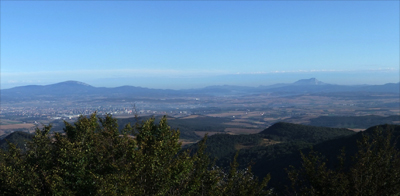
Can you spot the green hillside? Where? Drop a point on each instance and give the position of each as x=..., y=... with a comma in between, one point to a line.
x=18, y=138
x=269, y=152
x=277, y=141
x=295, y=132
x=274, y=159
x=93, y=158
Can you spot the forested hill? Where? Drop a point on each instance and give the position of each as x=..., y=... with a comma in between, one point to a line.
x=273, y=149
x=331, y=148
x=276, y=148
x=223, y=146
x=296, y=132
x=18, y=138
x=274, y=159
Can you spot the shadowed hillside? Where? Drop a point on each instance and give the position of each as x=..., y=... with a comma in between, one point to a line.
x=275, y=141
x=295, y=132
x=18, y=138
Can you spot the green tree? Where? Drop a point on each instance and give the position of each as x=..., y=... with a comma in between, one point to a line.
x=375, y=170
x=94, y=158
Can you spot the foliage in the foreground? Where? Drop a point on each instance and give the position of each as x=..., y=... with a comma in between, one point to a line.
x=93, y=158
x=375, y=170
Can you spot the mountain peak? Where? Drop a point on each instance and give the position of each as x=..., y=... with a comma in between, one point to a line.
x=311, y=81
x=73, y=83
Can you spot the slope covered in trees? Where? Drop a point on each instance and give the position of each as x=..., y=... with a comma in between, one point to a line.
x=374, y=167
x=282, y=136
x=18, y=138
x=92, y=158
x=275, y=159
x=272, y=150
x=295, y=132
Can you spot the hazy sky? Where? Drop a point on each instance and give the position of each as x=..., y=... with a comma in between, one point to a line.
x=184, y=44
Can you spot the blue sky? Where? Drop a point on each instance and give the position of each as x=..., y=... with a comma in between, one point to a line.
x=190, y=44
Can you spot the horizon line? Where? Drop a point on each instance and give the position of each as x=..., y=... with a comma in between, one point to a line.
x=85, y=83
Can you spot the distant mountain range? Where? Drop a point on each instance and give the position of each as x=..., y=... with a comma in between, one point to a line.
x=78, y=89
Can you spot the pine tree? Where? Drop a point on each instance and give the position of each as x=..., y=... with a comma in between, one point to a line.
x=94, y=158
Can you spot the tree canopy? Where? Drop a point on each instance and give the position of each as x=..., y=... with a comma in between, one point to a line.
x=94, y=158
x=373, y=170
